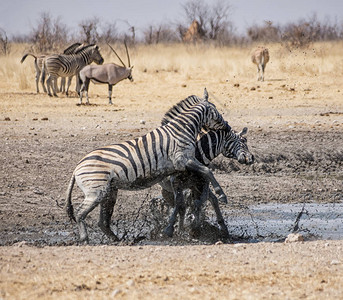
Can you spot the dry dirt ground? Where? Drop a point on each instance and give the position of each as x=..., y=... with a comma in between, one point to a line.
x=295, y=131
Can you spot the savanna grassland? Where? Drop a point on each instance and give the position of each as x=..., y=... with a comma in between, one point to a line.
x=295, y=121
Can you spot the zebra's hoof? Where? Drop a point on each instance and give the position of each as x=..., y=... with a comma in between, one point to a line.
x=223, y=199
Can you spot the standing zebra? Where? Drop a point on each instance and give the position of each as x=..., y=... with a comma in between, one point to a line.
x=209, y=146
x=70, y=50
x=142, y=162
x=68, y=65
x=38, y=61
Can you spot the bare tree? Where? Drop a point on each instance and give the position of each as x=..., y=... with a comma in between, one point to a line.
x=49, y=34
x=265, y=33
x=212, y=20
x=162, y=33
x=5, y=46
x=109, y=33
x=195, y=10
x=218, y=20
x=89, y=30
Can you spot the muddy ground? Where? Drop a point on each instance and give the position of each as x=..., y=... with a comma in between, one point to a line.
x=295, y=132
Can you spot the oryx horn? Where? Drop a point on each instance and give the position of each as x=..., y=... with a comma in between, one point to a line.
x=116, y=54
x=127, y=53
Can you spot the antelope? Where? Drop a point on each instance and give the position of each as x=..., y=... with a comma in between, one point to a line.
x=107, y=73
x=260, y=57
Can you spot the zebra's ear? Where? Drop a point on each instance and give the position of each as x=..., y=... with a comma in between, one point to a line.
x=243, y=132
x=205, y=95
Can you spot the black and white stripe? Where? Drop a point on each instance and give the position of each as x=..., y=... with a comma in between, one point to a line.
x=38, y=62
x=141, y=162
x=72, y=49
x=209, y=146
x=62, y=65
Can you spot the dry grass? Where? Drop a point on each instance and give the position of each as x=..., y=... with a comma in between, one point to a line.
x=194, y=62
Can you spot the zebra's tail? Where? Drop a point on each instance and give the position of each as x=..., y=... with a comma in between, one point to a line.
x=68, y=207
x=26, y=55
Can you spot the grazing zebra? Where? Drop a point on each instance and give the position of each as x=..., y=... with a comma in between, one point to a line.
x=260, y=57
x=61, y=65
x=209, y=146
x=38, y=61
x=142, y=162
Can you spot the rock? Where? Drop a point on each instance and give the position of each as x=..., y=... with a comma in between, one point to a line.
x=294, y=237
x=130, y=282
x=116, y=292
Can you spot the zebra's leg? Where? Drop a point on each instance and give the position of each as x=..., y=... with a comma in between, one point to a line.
x=38, y=72
x=179, y=202
x=258, y=72
x=220, y=219
x=48, y=85
x=206, y=173
x=90, y=202
x=63, y=85
x=54, y=86
x=106, y=211
x=68, y=85
x=201, y=196
x=110, y=86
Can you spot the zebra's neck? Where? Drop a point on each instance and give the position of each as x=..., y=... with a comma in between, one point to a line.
x=211, y=145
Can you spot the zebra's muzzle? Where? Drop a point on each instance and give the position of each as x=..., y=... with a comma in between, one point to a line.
x=244, y=158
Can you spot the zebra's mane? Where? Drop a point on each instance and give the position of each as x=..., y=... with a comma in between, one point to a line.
x=179, y=108
x=71, y=48
x=84, y=48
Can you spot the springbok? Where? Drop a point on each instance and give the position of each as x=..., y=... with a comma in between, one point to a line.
x=260, y=57
x=107, y=73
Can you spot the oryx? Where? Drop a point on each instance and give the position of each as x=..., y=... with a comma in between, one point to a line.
x=107, y=73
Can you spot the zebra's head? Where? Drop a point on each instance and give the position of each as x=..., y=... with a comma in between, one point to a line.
x=96, y=56
x=237, y=147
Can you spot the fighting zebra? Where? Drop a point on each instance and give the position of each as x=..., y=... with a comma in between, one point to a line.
x=142, y=162
x=209, y=146
x=38, y=62
x=61, y=65
x=260, y=57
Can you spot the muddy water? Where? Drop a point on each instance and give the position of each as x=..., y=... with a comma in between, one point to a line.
x=273, y=222
x=256, y=223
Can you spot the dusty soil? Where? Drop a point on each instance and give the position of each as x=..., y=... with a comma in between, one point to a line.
x=295, y=131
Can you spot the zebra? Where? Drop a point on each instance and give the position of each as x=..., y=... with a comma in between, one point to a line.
x=61, y=65
x=70, y=50
x=38, y=62
x=209, y=146
x=142, y=162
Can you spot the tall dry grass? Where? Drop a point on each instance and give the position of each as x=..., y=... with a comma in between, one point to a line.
x=194, y=62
